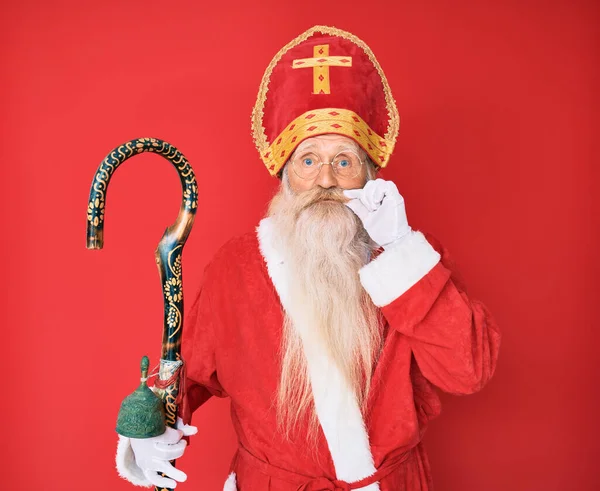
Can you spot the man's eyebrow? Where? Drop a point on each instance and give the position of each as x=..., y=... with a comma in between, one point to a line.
x=307, y=146
x=340, y=148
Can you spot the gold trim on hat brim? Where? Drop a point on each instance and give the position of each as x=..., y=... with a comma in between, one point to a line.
x=258, y=130
x=326, y=121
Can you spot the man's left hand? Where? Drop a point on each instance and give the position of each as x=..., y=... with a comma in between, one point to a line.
x=380, y=207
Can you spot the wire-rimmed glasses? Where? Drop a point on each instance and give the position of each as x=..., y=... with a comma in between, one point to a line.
x=346, y=164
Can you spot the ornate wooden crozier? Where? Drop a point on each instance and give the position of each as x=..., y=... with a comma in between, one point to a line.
x=168, y=259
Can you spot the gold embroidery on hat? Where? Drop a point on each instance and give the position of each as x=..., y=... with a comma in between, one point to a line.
x=321, y=121
x=258, y=130
x=320, y=63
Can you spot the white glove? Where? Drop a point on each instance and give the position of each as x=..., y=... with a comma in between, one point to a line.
x=381, y=209
x=152, y=455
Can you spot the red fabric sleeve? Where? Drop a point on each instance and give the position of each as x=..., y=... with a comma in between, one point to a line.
x=198, y=352
x=453, y=337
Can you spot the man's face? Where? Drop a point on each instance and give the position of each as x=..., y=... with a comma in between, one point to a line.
x=327, y=147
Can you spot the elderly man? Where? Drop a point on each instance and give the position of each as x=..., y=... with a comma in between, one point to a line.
x=330, y=325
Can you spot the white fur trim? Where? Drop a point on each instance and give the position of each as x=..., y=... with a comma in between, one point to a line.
x=126, y=466
x=398, y=268
x=336, y=405
x=230, y=484
x=273, y=259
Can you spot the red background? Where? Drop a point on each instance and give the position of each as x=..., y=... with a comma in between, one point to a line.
x=495, y=157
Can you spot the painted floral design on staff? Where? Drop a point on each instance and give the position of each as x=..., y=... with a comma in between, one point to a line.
x=95, y=213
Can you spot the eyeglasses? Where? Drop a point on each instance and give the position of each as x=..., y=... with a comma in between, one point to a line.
x=346, y=165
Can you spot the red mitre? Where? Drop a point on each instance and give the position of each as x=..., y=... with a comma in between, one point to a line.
x=324, y=81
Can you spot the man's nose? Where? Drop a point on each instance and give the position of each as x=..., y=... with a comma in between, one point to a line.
x=326, y=178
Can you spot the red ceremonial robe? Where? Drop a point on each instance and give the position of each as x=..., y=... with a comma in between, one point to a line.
x=434, y=335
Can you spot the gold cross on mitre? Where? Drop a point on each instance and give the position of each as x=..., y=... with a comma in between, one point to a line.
x=320, y=63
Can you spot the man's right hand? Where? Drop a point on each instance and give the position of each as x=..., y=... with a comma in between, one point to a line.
x=152, y=455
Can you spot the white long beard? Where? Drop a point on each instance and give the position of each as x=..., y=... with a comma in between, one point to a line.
x=324, y=245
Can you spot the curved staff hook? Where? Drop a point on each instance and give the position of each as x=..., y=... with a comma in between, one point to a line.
x=167, y=254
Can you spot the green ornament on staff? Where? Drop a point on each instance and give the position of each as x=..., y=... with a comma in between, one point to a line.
x=144, y=413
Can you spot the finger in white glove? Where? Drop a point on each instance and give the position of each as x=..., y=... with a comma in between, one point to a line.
x=359, y=209
x=372, y=194
x=152, y=455
x=157, y=480
x=381, y=209
x=188, y=430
